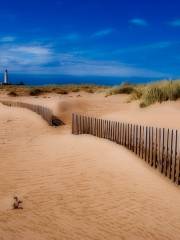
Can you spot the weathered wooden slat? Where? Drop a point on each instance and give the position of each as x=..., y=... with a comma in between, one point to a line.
x=125, y=134
x=170, y=154
x=149, y=145
x=73, y=124
x=159, y=148
x=156, y=148
x=92, y=126
x=115, y=131
x=130, y=137
x=101, y=128
x=152, y=146
x=177, y=161
x=108, y=129
x=97, y=127
x=163, y=157
x=166, y=155
x=174, y=165
x=134, y=138
x=145, y=145
x=78, y=124
x=89, y=125
x=120, y=137
x=142, y=148
x=82, y=124
x=117, y=136
x=112, y=138
x=140, y=144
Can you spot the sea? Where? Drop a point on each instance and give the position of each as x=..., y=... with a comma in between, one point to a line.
x=39, y=80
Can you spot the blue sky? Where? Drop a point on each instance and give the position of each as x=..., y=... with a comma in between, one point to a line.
x=116, y=38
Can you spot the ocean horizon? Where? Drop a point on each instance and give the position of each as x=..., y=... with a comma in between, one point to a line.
x=47, y=79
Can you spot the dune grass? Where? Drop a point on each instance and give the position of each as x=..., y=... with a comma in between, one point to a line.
x=57, y=89
x=150, y=93
x=124, y=88
x=147, y=94
x=160, y=92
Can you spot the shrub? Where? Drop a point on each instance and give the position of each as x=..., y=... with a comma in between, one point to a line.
x=75, y=89
x=137, y=93
x=152, y=94
x=13, y=94
x=121, y=89
x=35, y=92
x=89, y=90
x=162, y=91
x=62, y=91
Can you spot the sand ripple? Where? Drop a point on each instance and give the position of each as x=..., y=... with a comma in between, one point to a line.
x=78, y=187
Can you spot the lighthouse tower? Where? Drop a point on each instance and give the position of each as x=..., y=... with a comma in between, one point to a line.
x=6, y=80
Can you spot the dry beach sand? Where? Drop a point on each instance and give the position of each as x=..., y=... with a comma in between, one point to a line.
x=82, y=187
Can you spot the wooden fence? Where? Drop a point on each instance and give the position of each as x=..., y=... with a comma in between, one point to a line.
x=159, y=147
x=43, y=111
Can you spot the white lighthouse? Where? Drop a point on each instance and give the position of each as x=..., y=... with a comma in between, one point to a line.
x=6, y=80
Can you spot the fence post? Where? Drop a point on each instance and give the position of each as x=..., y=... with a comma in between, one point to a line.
x=166, y=157
x=170, y=155
x=175, y=158
x=156, y=147
x=152, y=146
x=72, y=123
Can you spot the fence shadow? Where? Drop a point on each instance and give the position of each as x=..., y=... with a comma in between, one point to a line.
x=43, y=111
x=159, y=147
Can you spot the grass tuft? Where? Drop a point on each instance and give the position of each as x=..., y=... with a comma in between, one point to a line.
x=35, y=92
x=159, y=92
x=12, y=94
x=121, y=89
x=147, y=94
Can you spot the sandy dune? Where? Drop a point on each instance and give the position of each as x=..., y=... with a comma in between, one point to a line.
x=81, y=187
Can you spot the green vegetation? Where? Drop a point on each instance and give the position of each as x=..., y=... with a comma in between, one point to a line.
x=125, y=88
x=13, y=94
x=146, y=94
x=150, y=93
x=35, y=92
x=159, y=92
x=57, y=89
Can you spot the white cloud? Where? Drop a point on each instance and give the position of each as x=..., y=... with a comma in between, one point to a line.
x=103, y=32
x=138, y=22
x=40, y=59
x=7, y=39
x=20, y=56
x=32, y=50
x=106, y=68
x=153, y=46
x=175, y=23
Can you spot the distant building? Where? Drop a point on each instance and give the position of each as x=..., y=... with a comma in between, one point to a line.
x=6, y=78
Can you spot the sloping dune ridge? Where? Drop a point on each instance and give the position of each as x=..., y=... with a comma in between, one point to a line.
x=82, y=187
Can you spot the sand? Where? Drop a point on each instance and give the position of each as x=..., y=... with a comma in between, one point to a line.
x=82, y=187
